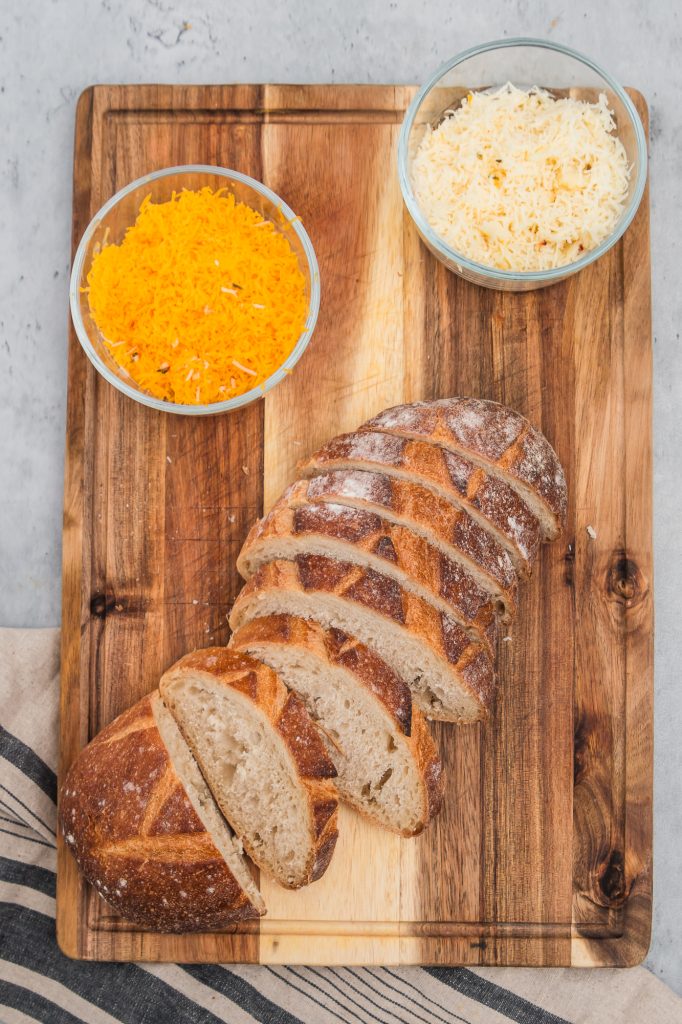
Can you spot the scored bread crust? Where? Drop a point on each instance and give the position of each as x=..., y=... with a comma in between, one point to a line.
x=488, y=499
x=498, y=437
x=126, y=817
x=363, y=537
x=467, y=662
x=338, y=650
x=287, y=716
x=335, y=647
x=411, y=505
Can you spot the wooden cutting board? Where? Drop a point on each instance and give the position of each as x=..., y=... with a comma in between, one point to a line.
x=542, y=854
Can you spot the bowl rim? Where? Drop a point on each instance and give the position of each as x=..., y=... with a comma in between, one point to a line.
x=522, y=276
x=211, y=408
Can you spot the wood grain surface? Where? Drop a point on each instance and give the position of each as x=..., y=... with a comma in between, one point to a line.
x=542, y=854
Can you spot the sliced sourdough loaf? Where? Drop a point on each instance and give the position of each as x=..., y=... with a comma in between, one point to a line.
x=492, y=436
x=262, y=757
x=138, y=817
x=450, y=529
x=387, y=763
x=492, y=503
x=364, y=538
x=450, y=675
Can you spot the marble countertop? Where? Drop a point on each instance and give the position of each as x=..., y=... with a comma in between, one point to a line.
x=50, y=51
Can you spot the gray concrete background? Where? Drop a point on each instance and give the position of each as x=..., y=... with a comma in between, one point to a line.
x=50, y=51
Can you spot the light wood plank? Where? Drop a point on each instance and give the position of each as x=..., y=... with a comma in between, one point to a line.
x=361, y=323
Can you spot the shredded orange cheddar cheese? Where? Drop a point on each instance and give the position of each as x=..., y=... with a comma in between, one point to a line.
x=201, y=301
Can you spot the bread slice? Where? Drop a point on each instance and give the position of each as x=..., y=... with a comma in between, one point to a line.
x=144, y=829
x=447, y=528
x=451, y=676
x=387, y=763
x=487, y=499
x=364, y=538
x=262, y=758
x=492, y=436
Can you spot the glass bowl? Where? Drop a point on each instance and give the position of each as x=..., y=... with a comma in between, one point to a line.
x=524, y=62
x=110, y=224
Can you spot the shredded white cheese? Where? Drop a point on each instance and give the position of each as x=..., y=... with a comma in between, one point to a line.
x=518, y=180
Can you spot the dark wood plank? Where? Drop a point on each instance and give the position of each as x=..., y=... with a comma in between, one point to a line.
x=614, y=605
x=154, y=580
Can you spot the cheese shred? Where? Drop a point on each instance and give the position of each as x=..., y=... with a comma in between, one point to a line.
x=207, y=308
x=519, y=180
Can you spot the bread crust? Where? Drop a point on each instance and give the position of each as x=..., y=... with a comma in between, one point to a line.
x=415, y=507
x=335, y=647
x=287, y=716
x=488, y=499
x=338, y=650
x=467, y=661
x=494, y=435
x=394, y=550
x=136, y=837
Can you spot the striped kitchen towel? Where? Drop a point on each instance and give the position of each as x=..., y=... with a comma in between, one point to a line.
x=38, y=983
